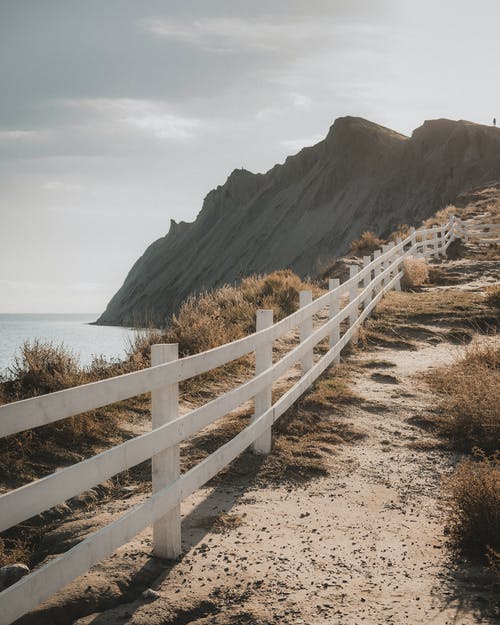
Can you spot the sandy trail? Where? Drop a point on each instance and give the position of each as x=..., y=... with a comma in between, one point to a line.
x=366, y=544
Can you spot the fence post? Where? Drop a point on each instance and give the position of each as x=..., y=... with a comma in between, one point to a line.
x=398, y=264
x=263, y=400
x=333, y=310
x=442, y=241
x=166, y=464
x=413, y=242
x=366, y=280
x=305, y=329
x=435, y=241
x=385, y=265
x=451, y=228
x=390, y=262
x=378, y=270
x=353, y=293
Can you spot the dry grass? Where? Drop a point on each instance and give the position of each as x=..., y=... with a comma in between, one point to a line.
x=44, y=368
x=212, y=318
x=441, y=216
x=220, y=523
x=367, y=243
x=436, y=315
x=469, y=392
x=493, y=296
x=402, y=231
x=415, y=273
x=474, y=491
x=303, y=438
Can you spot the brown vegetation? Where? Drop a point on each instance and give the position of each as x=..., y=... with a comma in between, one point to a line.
x=367, y=243
x=415, y=273
x=469, y=392
x=469, y=419
x=493, y=296
x=402, y=232
x=474, y=491
x=441, y=217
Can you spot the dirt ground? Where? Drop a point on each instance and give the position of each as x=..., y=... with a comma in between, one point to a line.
x=365, y=544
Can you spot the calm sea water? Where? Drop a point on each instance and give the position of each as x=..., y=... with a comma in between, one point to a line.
x=73, y=330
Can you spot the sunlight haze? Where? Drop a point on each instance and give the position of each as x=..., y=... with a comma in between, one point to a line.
x=117, y=116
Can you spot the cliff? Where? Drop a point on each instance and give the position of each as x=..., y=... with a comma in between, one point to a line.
x=361, y=176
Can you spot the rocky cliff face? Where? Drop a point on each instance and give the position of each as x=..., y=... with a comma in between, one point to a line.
x=361, y=176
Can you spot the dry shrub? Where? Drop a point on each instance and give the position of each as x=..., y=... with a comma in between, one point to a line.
x=216, y=317
x=367, y=243
x=415, y=273
x=402, y=232
x=493, y=296
x=474, y=489
x=456, y=250
x=335, y=268
x=42, y=367
x=469, y=393
x=441, y=216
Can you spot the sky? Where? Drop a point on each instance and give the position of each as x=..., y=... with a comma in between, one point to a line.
x=118, y=115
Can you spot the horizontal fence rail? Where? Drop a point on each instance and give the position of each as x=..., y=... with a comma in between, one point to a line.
x=379, y=274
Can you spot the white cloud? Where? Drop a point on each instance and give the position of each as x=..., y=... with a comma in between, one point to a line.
x=228, y=35
x=152, y=117
x=23, y=135
x=165, y=126
x=295, y=145
x=295, y=102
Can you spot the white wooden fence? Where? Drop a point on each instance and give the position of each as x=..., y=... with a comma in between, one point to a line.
x=379, y=274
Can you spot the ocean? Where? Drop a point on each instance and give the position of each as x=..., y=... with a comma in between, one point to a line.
x=73, y=330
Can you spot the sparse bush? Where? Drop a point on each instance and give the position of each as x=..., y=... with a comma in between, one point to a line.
x=41, y=367
x=367, y=243
x=415, y=273
x=493, y=296
x=474, y=490
x=456, y=250
x=216, y=317
x=402, y=231
x=334, y=268
x=470, y=396
x=441, y=216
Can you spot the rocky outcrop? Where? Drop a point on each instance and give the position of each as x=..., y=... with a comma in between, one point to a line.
x=298, y=214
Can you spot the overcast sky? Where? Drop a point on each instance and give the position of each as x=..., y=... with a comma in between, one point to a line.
x=117, y=115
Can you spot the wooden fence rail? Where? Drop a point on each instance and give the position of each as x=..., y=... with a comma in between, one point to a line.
x=365, y=287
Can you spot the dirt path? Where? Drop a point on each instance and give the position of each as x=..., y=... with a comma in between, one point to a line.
x=367, y=544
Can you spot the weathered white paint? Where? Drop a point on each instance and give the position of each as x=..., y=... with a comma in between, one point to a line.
x=306, y=327
x=333, y=311
x=353, y=294
x=169, y=488
x=166, y=464
x=263, y=400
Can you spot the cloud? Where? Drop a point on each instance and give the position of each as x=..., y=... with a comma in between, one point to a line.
x=165, y=126
x=228, y=35
x=22, y=135
x=295, y=102
x=98, y=126
x=153, y=117
x=295, y=145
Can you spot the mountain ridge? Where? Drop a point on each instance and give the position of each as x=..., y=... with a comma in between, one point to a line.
x=360, y=176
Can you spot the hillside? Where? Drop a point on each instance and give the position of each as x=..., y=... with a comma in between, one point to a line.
x=298, y=214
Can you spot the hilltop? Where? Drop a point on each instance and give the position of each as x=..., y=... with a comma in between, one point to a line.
x=362, y=176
